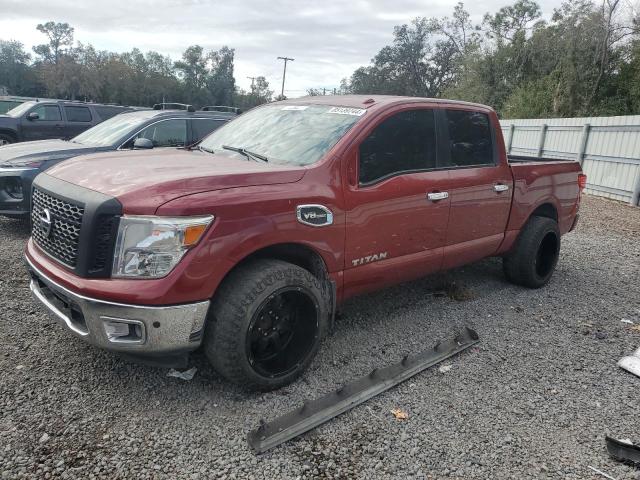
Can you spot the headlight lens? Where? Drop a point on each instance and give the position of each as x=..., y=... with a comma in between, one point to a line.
x=150, y=247
x=13, y=186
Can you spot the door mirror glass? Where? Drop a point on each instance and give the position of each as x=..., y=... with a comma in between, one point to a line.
x=142, y=144
x=33, y=116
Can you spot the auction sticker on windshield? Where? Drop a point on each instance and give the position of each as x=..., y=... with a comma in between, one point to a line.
x=358, y=112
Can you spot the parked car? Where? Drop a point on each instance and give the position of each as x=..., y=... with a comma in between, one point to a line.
x=7, y=103
x=246, y=245
x=21, y=162
x=41, y=120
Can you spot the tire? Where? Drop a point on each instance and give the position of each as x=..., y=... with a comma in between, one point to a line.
x=534, y=257
x=6, y=139
x=267, y=321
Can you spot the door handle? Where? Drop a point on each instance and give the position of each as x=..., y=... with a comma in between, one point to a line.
x=501, y=187
x=437, y=196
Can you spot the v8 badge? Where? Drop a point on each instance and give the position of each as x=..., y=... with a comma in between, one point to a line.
x=314, y=215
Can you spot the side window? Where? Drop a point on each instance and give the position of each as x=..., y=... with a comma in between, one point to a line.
x=168, y=133
x=49, y=113
x=202, y=127
x=404, y=142
x=106, y=113
x=77, y=114
x=470, y=139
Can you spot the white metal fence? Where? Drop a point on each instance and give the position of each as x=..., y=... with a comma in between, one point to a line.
x=607, y=147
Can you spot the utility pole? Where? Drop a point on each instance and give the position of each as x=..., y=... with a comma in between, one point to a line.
x=253, y=81
x=284, y=73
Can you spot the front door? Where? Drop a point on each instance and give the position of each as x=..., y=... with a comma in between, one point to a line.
x=396, y=206
x=480, y=187
x=49, y=123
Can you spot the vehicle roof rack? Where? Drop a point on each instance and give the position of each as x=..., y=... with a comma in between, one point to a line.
x=174, y=106
x=221, y=108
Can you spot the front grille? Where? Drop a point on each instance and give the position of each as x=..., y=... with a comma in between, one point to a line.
x=63, y=239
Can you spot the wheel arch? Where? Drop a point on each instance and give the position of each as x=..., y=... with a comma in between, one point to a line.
x=546, y=209
x=298, y=254
x=11, y=133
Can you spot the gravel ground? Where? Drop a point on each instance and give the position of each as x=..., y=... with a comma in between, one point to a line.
x=533, y=400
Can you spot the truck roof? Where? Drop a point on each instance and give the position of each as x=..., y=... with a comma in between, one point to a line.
x=368, y=101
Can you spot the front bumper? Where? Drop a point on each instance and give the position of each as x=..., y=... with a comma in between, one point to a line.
x=164, y=330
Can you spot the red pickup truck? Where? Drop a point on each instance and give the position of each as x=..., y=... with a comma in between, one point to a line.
x=246, y=244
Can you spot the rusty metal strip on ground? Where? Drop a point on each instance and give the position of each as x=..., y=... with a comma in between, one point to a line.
x=318, y=411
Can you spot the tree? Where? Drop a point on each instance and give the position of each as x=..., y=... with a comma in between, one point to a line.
x=15, y=72
x=60, y=37
x=423, y=60
x=221, y=83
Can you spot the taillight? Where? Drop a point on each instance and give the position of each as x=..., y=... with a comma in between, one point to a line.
x=582, y=181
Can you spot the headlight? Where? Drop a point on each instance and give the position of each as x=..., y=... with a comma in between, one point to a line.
x=150, y=247
x=13, y=186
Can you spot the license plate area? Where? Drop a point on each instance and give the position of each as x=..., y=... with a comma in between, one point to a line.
x=63, y=303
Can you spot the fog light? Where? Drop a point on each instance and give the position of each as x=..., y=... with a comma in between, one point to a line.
x=13, y=186
x=124, y=331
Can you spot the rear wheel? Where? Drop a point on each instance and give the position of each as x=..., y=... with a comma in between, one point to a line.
x=6, y=139
x=268, y=319
x=534, y=257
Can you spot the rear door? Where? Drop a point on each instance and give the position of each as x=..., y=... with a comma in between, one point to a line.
x=395, y=208
x=49, y=123
x=79, y=119
x=479, y=187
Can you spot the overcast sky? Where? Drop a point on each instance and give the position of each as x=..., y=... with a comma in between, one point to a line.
x=328, y=39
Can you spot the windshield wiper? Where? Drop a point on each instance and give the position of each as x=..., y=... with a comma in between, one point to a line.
x=202, y=149
x=246, y=153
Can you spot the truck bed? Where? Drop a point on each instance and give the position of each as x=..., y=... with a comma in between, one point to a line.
x=525, y=159
x=544, y=181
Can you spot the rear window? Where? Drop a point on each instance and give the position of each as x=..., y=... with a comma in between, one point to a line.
x=470, y=139
x=203, y=126
x=77, y=114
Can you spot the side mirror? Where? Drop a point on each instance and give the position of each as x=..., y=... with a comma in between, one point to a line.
x=142, y=144
x=33, y=116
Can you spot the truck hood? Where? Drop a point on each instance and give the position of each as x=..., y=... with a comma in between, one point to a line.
x=26, y=153
x=144, y=180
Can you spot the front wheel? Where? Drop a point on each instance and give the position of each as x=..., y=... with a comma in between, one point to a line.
x=534, y=257
x=5, y=139
x=267, y=322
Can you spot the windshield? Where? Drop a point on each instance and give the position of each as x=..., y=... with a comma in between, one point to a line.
x=110, y=132
x=20, y=109
x=291, y=134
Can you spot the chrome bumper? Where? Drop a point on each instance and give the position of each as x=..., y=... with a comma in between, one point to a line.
x=153, y=330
